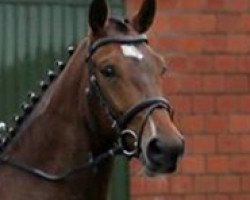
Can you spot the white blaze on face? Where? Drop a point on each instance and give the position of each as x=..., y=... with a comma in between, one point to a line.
x=131, y=51
x=153, y=127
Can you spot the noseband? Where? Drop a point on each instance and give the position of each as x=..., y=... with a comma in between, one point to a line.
x=120, y=124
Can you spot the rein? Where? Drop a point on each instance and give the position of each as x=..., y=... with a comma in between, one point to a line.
x=119, y=124
x=90, y=163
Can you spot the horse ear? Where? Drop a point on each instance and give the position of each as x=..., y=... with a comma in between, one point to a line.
x=145, y=17
x=98, y=15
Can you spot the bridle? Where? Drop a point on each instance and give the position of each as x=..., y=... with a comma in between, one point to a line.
x=119, y=124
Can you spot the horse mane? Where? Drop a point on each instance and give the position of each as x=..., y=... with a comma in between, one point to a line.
x=35, y=99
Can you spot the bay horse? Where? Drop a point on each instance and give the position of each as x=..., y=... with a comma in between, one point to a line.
x=107, y=101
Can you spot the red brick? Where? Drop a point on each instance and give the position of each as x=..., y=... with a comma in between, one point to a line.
x=177, y=23
x=203, y=104
x=239, y=5
x=228, y=143
x=188, y=145
x=195, y=197
x=178, y=64
x=240, y=197
x=203, y=144
x=216, y=124
x=215, y=44
x=193, y=164
x=171, y=43
x=190, y=44
x=171, y=85
x=181, y=184
x=200, y=64
x=245, y=143
x=225, y=21
x=205, y=184
x=166, y=197
x=225, y=64
x=226, y=104
x=214, y=83
x=166, y=44
x=154, y=41
x=236, y=83
x=229, y=183
x=181, y=104
x=178, y=5
x=192, y=5
x=168, y=5
x=162, y=23
x=187, y=124
x=206, y=44
x=244, y=104
x=156, y=197
x=217, y=5
x=245, y=182
x=243, y=64
x=238, y=44
x=191, y=83
x=239, y=123
x=218, y=197
x=149, y=186
x=245, y=18
x=240, y=163
x=135, y=167
x=218, y=164
x=192, y=23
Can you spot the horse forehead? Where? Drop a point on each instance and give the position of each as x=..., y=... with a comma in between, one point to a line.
x=131, y=51
x=120, y=51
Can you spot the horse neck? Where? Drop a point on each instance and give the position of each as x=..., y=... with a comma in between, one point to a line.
x=55, y=137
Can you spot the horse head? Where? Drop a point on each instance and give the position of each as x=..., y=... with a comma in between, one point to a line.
x=125, y=75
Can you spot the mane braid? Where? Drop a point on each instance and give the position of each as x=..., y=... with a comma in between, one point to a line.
x=34, y=99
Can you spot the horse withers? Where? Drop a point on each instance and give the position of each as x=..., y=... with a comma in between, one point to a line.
x=108, y=100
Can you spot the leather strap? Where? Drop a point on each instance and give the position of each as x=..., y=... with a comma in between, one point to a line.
x=120, y=40
x=157, y=102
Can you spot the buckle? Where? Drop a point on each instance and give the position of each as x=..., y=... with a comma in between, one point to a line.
x=3, y=132
x=128, y=137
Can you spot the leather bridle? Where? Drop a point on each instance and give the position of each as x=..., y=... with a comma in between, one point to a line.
x=119, y=124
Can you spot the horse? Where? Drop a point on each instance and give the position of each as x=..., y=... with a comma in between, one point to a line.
x=106, y=101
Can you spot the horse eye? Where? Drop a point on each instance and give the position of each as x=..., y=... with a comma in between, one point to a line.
x=108, y=71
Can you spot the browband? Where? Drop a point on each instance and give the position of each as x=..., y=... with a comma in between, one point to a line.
x=121, y=40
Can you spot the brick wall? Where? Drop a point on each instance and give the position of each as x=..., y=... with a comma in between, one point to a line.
x=207, y=46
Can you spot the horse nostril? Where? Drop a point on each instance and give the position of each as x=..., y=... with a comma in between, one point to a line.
x=160, y=152
x=155, y=150
x=155, y=146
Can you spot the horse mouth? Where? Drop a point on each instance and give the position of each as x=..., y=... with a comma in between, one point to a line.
x=155, y=169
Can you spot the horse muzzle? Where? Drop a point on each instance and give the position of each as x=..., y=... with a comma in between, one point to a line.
x=161, y=157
